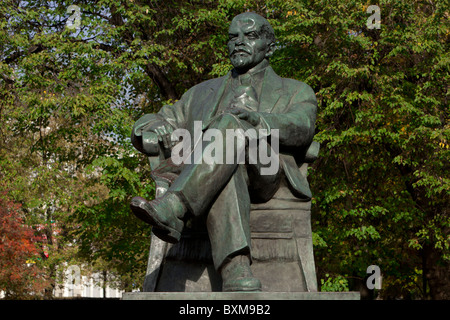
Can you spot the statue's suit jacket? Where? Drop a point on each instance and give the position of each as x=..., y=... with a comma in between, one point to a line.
x=285, y=104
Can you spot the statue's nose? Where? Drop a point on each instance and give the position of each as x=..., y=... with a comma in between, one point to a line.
x=239, y=40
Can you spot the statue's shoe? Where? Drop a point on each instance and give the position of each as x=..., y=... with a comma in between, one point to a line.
x=247, y=284
x=164, y=214
x=237, y=276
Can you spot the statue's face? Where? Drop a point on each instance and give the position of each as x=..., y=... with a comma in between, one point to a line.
x=247, y=48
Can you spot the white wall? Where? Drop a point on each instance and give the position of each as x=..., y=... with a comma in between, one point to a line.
x=76, y=285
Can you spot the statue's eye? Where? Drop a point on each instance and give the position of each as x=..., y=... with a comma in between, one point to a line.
x=232, y=36
x=252, y=35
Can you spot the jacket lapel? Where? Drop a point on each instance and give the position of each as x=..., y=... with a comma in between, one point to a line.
x=211, y=103
x=271, y=90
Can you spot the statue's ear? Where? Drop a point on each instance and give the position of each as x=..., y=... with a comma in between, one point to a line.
x=271, y=50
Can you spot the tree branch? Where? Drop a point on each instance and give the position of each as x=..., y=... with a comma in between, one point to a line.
x=164, y=85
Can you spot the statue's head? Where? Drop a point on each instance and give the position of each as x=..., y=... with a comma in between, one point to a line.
x=251, y=40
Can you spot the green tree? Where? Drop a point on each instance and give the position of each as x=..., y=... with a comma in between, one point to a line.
x=64, y=106
x=381, y=183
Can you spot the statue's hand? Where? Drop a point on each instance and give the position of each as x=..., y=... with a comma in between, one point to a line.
x=164, y=132
x=251, y=117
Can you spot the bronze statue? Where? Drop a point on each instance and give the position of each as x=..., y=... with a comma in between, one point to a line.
x=251, y=96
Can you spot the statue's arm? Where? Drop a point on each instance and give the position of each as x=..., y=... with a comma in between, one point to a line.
x=153, y=128
x=143, y=135
x=297, y=123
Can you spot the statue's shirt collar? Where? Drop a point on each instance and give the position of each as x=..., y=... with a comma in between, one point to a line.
x=256, y=74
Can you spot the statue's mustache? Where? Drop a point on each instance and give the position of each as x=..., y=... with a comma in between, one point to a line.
x=240, y=50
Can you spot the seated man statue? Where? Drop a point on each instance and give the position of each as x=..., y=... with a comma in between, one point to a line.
x=250, y=97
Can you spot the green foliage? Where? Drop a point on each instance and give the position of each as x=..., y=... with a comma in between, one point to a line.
x=68, y=99
x=331, y=284
x=381, y=182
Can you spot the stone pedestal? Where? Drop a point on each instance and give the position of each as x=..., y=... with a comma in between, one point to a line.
x=241, y=296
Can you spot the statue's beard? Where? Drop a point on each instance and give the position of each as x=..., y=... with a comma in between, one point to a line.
x=241, y=59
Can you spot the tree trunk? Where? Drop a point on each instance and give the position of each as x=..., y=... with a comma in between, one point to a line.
x=437, y=273
x=105, y=273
